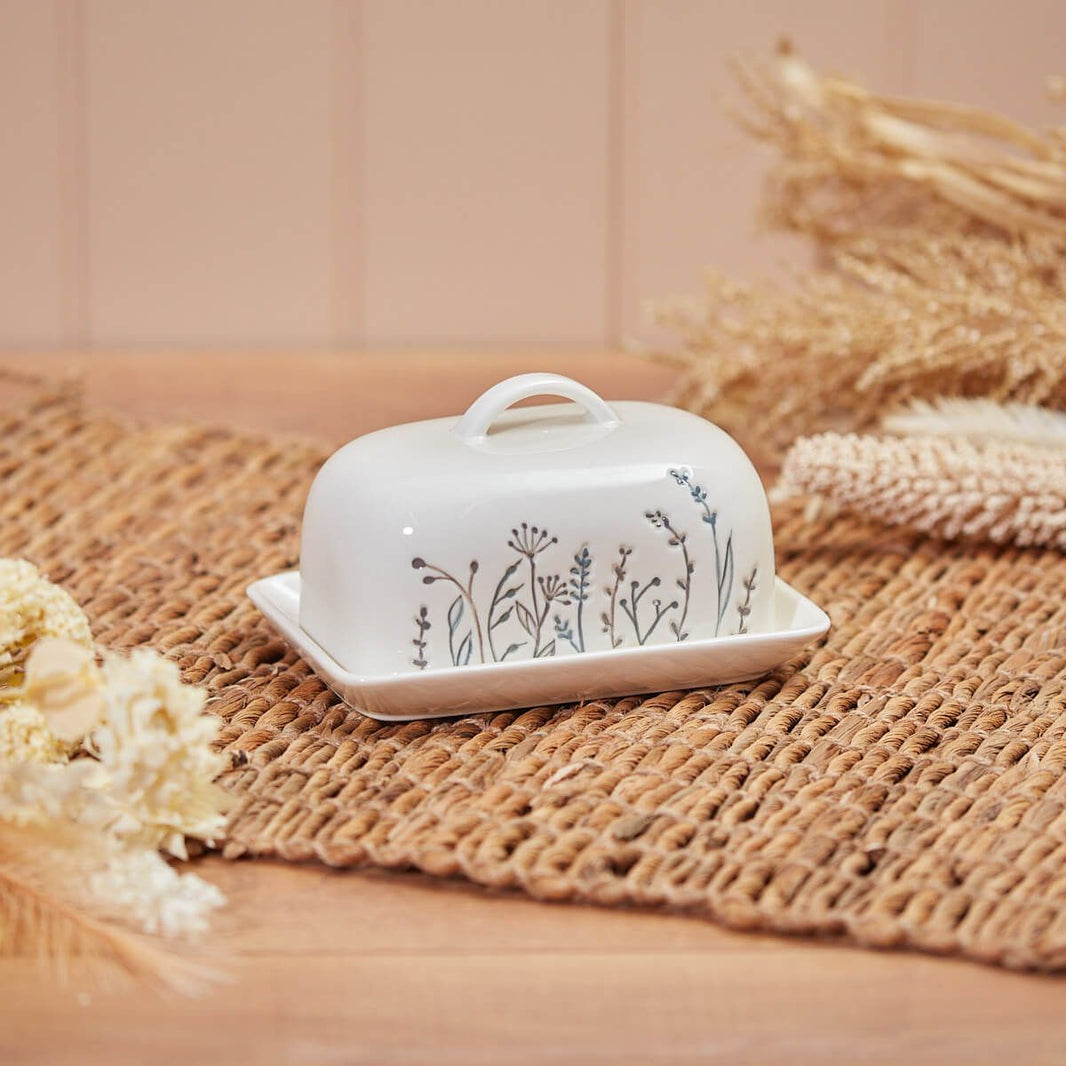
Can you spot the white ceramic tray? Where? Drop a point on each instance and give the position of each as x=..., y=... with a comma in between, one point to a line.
x=511, y=685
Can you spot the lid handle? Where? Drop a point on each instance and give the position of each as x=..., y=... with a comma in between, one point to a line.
x=480, y=415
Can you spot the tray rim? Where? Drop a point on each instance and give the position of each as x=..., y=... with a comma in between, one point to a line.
x=268, y=593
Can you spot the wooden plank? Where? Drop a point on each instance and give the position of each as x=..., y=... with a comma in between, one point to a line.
x=32, y=290
x=355, y=912
x=334, y=396
x=209, y=171
x=486, y=172
x=418, y=972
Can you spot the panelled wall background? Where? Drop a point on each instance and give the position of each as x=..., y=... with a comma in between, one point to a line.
x=448, y=173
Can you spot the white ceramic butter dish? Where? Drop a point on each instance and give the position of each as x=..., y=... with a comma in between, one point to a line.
x=510, y=558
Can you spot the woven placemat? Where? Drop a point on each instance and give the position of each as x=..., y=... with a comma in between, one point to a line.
x=902, y=785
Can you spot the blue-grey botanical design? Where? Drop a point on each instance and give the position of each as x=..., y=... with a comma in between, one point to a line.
x=544, y=590
x=609, y=616
x=678, y=540
x=744, y=608
x=579, y=593
x=632, y=607
x=528, y=594
x=723, y=558
x=422, y=623
x=501, y=608
x=460, y=643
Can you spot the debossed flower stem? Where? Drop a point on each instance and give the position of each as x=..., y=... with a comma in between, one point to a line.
x=723, y=558
x=579, y=591
x=632, y=608
x=499, y=596
x=608, y=618
x=529, y=542
x=465, y=592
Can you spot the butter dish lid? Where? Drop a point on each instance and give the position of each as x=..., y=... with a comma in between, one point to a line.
x=533, y=532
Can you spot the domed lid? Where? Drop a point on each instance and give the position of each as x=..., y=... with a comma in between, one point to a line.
x=535, y=532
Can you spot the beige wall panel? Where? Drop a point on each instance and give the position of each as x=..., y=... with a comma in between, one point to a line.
x=209, y=155
x=991, y=54
x=486, y=148
x=420, y=172
x=31, y=255
x=692, y=179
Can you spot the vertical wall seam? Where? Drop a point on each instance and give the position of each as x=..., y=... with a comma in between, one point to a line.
x=72, y=134
x=616, y=158
x=347, y=247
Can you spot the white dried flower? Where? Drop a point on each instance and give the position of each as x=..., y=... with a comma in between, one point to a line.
x=155, y=897
x=156, y=746
x=74, y=806
x=36, y=793
x=85, y=829
x=32, y=607
x=24, y=734
x=64, y=683
x=58, y=702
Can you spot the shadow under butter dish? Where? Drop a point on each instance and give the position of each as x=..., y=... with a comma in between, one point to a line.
x=537, y=555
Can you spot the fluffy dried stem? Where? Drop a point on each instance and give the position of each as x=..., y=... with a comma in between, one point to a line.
x=47, y=911
x=979, y=421
x=945, y=486
x=940, y=234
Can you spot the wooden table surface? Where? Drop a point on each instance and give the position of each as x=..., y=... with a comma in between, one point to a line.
x=370, y=967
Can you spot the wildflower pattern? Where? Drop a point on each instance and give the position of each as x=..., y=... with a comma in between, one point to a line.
x=537, y=611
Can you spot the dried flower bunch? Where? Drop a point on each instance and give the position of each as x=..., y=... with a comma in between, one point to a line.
x=31, y=609
x=941, y=234
x=102, y=768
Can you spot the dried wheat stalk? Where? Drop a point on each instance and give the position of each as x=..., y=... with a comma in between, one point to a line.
x=941, y=232
x=946, y=486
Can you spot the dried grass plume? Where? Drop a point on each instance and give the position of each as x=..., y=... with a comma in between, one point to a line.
x=940, y=234
x=979, y=421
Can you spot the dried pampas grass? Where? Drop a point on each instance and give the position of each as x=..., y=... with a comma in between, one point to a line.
x=48, y=911
x=941, y=235
x=853, y=161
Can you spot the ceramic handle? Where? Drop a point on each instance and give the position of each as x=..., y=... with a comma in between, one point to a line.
x=480, y=415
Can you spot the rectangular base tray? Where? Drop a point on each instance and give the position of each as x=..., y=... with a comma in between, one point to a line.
x=531, y=683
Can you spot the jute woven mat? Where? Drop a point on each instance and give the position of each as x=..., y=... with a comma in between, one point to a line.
x=902, y=785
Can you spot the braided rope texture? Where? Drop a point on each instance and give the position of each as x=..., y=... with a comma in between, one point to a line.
x=901, y=785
